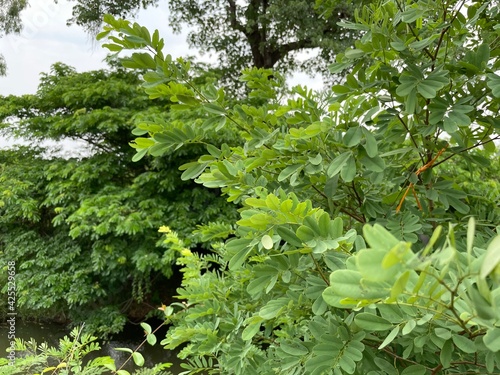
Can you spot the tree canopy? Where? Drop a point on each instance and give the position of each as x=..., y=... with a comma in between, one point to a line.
x=85, y=228
x=10, y=21
x=263, y=33
x=260, y=33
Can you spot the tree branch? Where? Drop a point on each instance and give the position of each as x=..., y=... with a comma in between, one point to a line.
x=233, y=18
x=467, y=149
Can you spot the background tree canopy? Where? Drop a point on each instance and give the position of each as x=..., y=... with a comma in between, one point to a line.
x=261, y=33
x=85, y=229
x=10, y=21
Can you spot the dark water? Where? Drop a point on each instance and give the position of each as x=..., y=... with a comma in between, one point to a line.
x=131, y=338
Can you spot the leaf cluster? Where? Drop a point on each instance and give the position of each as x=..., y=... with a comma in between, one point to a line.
x=334, y=267
x=84, y=230
x=72, y=356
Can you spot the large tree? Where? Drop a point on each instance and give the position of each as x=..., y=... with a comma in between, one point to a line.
x=83, y=231
x=260, y=33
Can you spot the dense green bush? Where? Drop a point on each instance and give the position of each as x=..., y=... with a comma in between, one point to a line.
x=346, y=258
x=83, y=230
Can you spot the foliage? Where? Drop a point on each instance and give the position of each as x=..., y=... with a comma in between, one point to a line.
x=89, y=13
x=293, y=287
x=10, y=22
x=83, y=231
x=71, y=357
x=263, y=33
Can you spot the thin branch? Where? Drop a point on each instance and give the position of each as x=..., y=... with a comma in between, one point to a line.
x=444, y=31
x=394, y=355
x=360, y=201
x=318, y=267
x=426, y=50
x=412, y=139
x=360, y=219
x=467, y=149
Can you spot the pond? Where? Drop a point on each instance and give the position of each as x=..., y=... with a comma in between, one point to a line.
x=130, y=338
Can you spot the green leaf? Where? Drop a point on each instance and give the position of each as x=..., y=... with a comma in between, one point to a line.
x=288, y=171
x=400, y=285
x=128, y=350
x=392, y=335
x=138, y=359
x=411, y=14
x=316, y=160
x=446, y=354
x=354, y=53
x=385, y=366
x=375, y=164
x=414, y=370
x=353, y=136
x=267, y=242
x=350, y=284
x=214, y=108
x=192, y=170
x=240, y=248
x=151, y=339
x=408, y=327
x=139, y=155
x=494, y=84
x=464, y=344
x=252, y=328
x=372, y=322
x=421, y=44
x=492, y=339
x=273, y=308
x=434, y=82
x=337, y=164
x=146, y=327
x=369, y=263
x=331, y=186
x=370, y=145
x=379, y=238
x=492, y=258
x=347, y=364
x=289, y=236
x=113, y=47
x=482, y=55
x=349, y=170
x=341, y=89
x=305, y=233
x=294, y=348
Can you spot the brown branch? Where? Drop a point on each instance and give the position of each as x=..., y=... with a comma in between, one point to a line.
x=320, y=270
x=233, y=19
